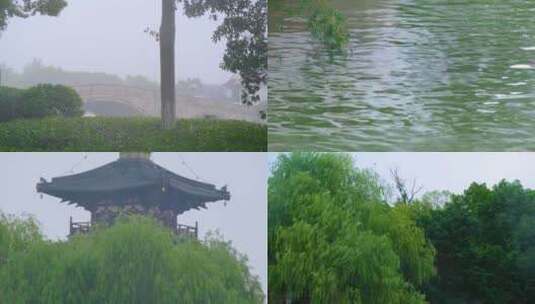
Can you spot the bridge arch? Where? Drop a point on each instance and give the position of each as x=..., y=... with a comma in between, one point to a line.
x=143, y=100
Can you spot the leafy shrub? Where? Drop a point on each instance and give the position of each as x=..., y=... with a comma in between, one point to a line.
x=134, y=261
x=9, y=98
x=50, y=100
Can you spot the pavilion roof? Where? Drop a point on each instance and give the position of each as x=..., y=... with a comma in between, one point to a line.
x=127, y=177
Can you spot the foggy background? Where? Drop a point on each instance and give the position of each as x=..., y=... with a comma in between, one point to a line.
x=108, y=36
x=94, y=44
x=449, y=171
x=243, y=220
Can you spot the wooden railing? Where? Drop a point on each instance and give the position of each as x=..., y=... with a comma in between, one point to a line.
x=78, y=227
x=181, y=229
x=188, y=231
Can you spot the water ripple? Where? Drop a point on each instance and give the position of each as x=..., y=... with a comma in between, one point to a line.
x=417, y=75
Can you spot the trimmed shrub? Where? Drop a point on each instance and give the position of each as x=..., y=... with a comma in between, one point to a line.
x=131, y=134
x=50, y=100
x=9, y=98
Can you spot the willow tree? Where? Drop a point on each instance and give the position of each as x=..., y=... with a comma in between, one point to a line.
x=334, y=239
x=134, y=261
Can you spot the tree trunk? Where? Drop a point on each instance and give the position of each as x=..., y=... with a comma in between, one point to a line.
x=167, y=63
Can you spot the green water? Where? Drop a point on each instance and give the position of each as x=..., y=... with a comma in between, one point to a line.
x=420, y=75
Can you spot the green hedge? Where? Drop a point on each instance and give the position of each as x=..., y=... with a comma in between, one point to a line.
x=39, y=101
x=130, y=134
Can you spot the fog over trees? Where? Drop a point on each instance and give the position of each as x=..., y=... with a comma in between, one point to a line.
x=110, y=47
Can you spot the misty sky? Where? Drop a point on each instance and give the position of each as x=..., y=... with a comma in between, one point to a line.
x=450, y=171
x=108, y=36
x=243, y=220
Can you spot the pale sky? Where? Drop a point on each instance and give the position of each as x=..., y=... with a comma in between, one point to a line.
x=243, y=220
x=108, y=36
x=450, y=171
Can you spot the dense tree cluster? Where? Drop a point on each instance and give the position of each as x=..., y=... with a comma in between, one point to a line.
x=134, y=261
x=334, y=239
x=485, y=241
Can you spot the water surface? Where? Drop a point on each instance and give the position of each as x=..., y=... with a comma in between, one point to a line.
x=417, y=75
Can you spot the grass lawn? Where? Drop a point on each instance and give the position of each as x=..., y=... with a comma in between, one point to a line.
x=131, y=134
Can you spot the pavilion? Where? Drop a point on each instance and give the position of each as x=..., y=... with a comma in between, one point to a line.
x=133, y=184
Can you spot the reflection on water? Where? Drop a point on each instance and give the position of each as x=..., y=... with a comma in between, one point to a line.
x=417, y=75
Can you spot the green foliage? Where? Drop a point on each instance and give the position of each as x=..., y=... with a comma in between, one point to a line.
x=244, y=28
x=134, y=261
x=26, y=8
x=325, y=22
x=486, y=243
x=49, y=100
x=9, y=99
x=39, y=101
x=334, y=239
x=130, y=134
x=16, y=235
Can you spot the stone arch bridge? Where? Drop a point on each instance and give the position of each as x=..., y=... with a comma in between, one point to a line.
x=146, y=101
x=143, y=100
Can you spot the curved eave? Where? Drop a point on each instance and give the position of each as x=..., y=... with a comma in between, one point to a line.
x=204, y=194
x=198, y=193
x=193, y=198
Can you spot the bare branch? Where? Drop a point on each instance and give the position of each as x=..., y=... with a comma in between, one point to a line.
x=406, y=195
